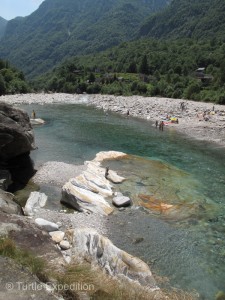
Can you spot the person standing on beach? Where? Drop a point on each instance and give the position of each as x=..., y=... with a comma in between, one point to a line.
x=161, y=125
x=33, y=115
x=156, y=124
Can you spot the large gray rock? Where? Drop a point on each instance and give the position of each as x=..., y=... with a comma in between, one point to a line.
x=121, y=201
x=35, y=201
x=7, y=205
x=16, y=134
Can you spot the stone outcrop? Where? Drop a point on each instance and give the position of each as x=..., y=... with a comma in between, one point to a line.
x=16, y=135
x=88, y=245
x=90, y=190
x=35, y=201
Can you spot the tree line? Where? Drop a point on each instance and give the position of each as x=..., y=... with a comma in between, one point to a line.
x=146, y=67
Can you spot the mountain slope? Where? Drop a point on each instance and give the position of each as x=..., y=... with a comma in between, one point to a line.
x=188, y=18
x=3, y=24
x=63, y=28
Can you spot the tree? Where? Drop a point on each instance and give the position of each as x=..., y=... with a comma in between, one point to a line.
x=144, y=68
x=91, y=77
x=2, y=85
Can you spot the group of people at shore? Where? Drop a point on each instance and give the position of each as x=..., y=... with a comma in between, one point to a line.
x=159, y=124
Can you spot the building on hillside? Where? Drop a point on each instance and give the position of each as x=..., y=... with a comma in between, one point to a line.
x=200, y=75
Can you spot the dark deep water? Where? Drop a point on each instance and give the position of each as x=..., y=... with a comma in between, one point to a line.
x=190, y=252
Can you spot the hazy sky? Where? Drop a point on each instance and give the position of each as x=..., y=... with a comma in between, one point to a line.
x=10, y=9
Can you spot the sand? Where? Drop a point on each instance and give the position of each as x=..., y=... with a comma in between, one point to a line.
x=199, y=120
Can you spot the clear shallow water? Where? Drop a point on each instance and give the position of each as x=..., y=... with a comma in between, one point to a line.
x=190, y=253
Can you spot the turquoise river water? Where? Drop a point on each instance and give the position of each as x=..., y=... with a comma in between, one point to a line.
x=188, y=247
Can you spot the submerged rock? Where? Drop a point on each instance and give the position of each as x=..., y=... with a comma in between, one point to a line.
x=114, y=177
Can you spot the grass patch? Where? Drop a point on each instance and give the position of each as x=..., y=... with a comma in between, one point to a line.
x=101, y=286
x=34, y=264
x=81, y=278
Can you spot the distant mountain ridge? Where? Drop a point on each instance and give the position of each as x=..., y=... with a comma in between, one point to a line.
x=3, y=24
x=64, y=28
x=187, y=18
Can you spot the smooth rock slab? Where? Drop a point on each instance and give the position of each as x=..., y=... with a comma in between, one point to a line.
x=82, y=199
x=89, y=245
x=46, y=225
x=121, y=201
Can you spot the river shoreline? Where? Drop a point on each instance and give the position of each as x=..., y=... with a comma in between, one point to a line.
x=199, y=120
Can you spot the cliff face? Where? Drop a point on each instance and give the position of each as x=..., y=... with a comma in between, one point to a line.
x=16, y=134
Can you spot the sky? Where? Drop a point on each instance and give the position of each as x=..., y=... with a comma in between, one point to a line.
x=9, y=9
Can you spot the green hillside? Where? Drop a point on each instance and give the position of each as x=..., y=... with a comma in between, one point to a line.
x=202, y=19
x=63, y=28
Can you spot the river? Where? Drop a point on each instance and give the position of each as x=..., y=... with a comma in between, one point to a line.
x=190, y=252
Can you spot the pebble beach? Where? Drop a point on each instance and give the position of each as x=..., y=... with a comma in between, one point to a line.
x=199, y=120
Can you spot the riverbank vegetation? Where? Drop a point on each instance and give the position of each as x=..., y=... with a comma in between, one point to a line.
x=146, y=67
x=12, y=81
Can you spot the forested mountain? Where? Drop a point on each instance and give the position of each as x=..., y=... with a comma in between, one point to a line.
x=188, y=18
x=64, y=28
x=3, y=24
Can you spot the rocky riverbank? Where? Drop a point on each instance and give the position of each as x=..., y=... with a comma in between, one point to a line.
x=199, y=120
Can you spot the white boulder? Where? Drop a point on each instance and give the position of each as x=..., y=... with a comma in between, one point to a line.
x=35, y=201
x=46, y=225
